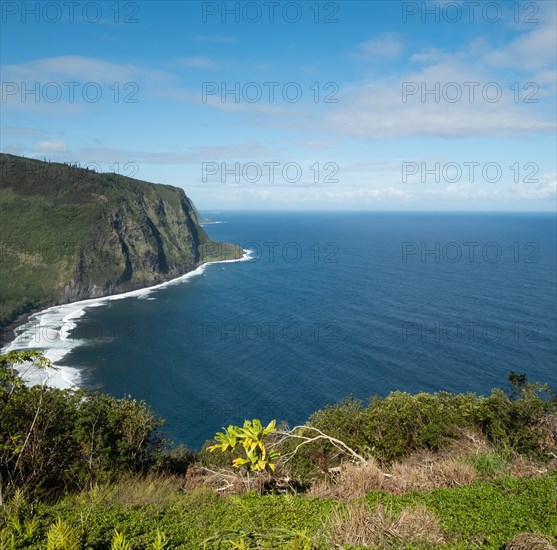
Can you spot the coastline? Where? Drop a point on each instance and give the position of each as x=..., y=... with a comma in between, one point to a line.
x=61, y=320
x=9, y=333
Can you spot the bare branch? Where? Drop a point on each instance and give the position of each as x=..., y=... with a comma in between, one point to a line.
x=305, y=440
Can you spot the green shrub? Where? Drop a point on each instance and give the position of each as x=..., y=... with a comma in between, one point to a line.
x=400, y=423
x=393, y=427
x=52, y=439
x=175, y=460
x=519, y=422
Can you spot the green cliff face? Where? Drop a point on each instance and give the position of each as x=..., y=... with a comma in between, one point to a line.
x=68, y=234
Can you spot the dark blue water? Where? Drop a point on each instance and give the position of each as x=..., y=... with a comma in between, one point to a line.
x=334, y=304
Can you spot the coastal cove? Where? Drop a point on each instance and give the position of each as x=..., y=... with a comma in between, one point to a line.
x=49, y=329
x=325, y=305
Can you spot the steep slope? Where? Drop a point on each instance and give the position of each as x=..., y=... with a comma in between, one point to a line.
x=68, y=234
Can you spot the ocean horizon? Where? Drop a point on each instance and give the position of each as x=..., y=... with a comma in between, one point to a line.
x=324, y=305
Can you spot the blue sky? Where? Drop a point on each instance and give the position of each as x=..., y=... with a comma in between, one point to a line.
x=372, y=103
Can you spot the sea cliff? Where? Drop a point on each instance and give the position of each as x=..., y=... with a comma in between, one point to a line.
x=70, y=233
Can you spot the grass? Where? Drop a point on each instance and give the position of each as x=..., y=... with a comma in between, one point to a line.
x=486, y=514
x=470, y=458
x=217, y=252
x=361, y=526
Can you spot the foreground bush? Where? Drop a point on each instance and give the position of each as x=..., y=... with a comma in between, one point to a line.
x=53, y=439
x=393, y=427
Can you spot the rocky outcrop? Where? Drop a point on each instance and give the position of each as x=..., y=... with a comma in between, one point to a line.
x=139, y=245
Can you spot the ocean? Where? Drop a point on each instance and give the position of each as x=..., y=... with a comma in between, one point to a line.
x=324, y=305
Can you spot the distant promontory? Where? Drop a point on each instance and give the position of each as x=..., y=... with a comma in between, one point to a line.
x=69, y=233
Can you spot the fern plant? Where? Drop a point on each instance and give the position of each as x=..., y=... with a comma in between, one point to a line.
x=161, y=542
x=18, y=530
x=119, y=542
x=60, y=536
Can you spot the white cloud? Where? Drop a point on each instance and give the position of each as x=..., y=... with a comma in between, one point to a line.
x=546, y=77
x=546, y=188
x=381, y=110
x=22, y=131
x=378, y=109
x=85, y=69
x=303, y=198
x=214, y=99
x=386, y=45
x=364, y=194
x=52, y=146
x=463, y=191
x=428, y=55
x=193, y=155
x=533, y=50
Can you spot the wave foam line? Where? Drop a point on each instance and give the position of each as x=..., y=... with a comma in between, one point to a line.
x=50, y=329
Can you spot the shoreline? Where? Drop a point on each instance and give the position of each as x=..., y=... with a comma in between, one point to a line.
x=65, y=315
x=9, y=333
